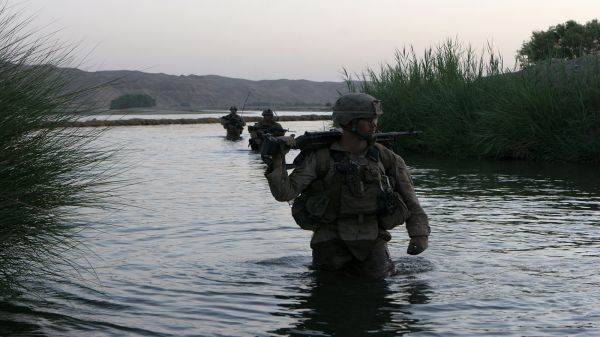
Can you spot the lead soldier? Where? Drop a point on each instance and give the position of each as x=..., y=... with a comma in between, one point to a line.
x=352, y=194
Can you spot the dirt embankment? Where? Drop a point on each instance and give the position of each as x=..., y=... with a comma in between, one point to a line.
x=165, y=121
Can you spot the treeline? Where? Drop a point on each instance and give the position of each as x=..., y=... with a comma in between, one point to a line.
x=468, y=105
x=132, y=101
x=564, y=41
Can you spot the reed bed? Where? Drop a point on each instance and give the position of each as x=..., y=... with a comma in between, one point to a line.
x=469, y=105
x=48, y=173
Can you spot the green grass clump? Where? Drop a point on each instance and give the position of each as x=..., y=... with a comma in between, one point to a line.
x=468, y=105
x=47, y=172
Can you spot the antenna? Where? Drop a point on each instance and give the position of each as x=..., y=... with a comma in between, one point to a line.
x=246, y=100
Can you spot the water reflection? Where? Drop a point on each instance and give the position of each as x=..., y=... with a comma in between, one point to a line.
x=473, y=177
x=340, y=305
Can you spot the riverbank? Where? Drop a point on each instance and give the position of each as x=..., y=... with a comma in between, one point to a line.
x=211, y=110
x=167, y=121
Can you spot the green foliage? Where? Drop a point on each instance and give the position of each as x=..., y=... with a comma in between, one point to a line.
x=46, y=172
x=467, y=105
x=564, y=41
x=132, y=101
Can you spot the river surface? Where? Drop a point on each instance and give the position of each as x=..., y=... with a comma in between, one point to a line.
x=198, y=247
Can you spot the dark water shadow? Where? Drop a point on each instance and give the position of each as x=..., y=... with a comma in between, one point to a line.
x=517, y=175
x=334, y=304
x=12, y=321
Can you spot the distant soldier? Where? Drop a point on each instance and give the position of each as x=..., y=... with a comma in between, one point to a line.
x=259, y=129
x=233, y=123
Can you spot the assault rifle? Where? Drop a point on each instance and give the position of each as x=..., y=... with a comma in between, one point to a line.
x=320, y=139
x=267, y=129
x=310, y=141
x=237, y=123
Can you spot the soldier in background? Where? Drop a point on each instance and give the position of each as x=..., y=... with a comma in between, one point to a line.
x=351, y=194
x=233, y=123
x=266, y=125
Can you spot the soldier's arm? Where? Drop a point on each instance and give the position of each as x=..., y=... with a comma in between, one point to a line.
x=278, y=133
x=417, y=223
x=286, y=187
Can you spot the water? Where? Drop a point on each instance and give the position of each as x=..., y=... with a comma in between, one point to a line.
x=200, y=248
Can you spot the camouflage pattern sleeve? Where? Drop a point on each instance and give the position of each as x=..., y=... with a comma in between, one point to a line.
x=286, y=187
x=417, y=223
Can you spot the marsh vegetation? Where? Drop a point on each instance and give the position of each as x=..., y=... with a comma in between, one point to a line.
x=469, y=105
x=48, y=174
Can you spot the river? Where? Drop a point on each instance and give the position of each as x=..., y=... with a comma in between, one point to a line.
x=198, y=247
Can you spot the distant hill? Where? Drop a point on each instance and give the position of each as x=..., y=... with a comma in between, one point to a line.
x=210, y=91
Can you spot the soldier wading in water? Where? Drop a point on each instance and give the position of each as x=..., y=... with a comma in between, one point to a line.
x=233, y=123
x=259, y=129
x=351, y=194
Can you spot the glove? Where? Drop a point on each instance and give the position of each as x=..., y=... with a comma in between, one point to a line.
x=417, y=245
x=289, y=141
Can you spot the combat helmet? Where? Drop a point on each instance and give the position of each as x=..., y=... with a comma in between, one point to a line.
x=267, y=112
x=233, y=108
x=355, y=105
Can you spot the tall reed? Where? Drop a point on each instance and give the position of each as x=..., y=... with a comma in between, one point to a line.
x=468, y=104
x=47, y=172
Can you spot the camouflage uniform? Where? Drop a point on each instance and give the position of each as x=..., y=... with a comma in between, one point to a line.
x=233, y=123
x=262, y=127
x=352, y=232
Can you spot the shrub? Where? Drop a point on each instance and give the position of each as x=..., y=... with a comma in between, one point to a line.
x=132, y=101
x=564, y=41
x=47, y=172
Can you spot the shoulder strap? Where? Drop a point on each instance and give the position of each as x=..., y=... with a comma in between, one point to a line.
x=384, y=159
x=322, y=155
x=373, y=153
x=322, y=162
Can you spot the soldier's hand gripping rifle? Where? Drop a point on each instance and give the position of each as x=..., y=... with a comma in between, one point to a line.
x=309, y=141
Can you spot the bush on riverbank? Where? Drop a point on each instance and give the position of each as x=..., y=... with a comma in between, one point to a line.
x=132, y=101
x=468, y=105
x=45, y=172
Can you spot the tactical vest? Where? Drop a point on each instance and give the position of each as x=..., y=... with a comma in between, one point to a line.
x=356, y=195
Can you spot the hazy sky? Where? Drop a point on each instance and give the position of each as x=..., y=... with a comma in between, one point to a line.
x=294, y=39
